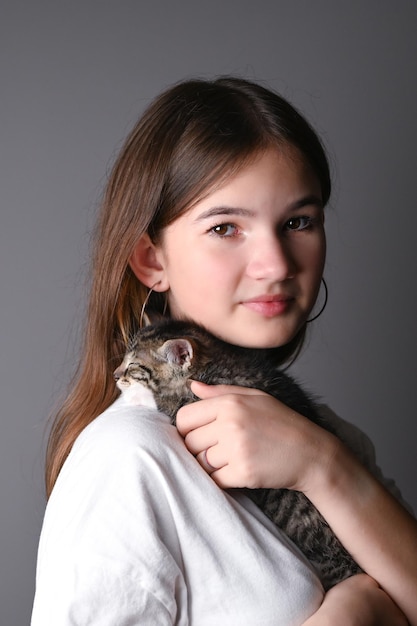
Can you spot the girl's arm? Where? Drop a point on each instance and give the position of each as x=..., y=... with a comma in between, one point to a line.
x=357, y=601
x=378, y=532
x=281, y=449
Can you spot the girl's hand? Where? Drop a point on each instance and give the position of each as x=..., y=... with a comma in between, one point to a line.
x=250, y=439
x=357, y=601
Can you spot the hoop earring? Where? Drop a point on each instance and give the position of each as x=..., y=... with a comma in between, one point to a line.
x=326, y=296
x=145, y=302
x=143, y=314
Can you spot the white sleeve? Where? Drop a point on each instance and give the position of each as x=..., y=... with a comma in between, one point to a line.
x=135, y=532
x=101, y=560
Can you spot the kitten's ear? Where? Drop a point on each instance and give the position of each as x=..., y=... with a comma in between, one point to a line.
x=178, y=351
x=147, y=264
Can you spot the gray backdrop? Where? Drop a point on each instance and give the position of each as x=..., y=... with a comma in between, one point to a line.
x=74, y=77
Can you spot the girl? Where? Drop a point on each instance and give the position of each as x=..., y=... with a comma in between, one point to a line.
x=213, y=212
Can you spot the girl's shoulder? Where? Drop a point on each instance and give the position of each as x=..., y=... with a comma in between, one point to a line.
x=126, y=447
x=123, y=428
x=98, y=537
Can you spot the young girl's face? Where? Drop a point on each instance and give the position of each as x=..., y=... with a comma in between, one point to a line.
x=246, y=261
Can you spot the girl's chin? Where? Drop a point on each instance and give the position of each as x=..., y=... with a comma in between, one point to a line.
x=258, y=340
x=253, y=333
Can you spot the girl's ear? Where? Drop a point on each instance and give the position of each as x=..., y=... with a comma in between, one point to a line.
x=147, y=264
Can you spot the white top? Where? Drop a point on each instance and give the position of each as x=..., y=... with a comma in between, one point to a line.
x=135, y=532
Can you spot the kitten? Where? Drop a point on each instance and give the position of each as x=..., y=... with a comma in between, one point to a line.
x=162, y=358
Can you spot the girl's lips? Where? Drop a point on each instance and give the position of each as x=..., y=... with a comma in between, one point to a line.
x=268, y=306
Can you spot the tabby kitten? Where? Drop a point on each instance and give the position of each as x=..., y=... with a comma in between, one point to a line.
x=158, y=363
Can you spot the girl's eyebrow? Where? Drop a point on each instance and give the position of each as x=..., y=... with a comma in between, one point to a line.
x=224, y=210
x=310, y=200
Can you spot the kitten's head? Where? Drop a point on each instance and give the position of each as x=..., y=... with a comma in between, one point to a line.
x=146, y=361
x=157, y=365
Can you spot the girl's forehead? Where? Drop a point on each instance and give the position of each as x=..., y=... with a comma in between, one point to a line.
x=237, y=168
x=274, y=163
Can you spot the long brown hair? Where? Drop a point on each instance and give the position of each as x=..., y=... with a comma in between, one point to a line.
x=191, y=138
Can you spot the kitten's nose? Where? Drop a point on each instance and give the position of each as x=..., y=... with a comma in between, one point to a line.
x=118, y=373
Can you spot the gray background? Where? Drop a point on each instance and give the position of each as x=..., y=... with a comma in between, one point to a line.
x=74, y=77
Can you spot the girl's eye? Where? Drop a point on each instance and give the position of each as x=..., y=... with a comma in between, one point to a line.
x=299, y=223
x=224, y=230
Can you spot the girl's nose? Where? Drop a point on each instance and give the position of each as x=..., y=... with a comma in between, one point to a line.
x=272, y=260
